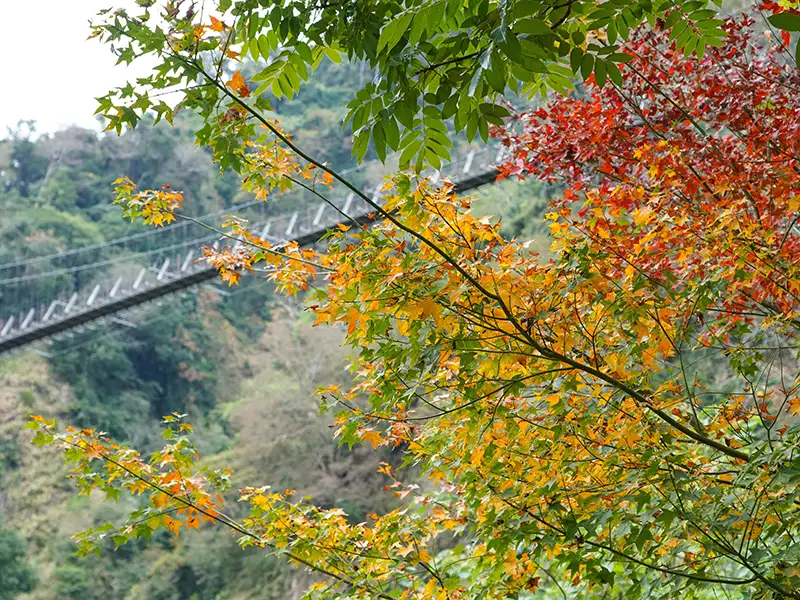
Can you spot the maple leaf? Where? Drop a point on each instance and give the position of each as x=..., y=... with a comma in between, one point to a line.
x=371, y=436
x=238, y=84
x=424, y=309
x=216, y=25
x=173, y=525
x=354, y=318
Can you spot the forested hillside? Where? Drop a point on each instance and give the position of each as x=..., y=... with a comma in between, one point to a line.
x=243, y=367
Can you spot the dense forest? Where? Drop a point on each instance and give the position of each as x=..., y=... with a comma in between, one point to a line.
x=243, y=366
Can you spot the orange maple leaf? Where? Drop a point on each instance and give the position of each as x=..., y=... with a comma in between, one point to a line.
x=353, y=318
x=371, y=436
x=173, y=525
x=239, y=85
x=217, y=25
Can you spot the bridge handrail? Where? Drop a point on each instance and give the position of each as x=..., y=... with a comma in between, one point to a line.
x=150, y=232
x=101, y=299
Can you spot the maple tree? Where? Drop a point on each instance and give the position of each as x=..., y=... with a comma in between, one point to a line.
x=436, y=60
x=619, y=417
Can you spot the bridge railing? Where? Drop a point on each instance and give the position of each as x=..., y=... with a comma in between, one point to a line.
x=121, y=281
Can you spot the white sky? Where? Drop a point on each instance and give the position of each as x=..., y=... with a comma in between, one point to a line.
x=50, y=72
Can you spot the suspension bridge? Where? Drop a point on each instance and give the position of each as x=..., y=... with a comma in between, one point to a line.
x=43, y=296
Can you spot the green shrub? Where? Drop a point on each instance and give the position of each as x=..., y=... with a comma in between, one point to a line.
x=27, y=398
x=16, y=575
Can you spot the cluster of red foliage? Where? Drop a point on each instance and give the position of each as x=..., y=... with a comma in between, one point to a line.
x=686, y=173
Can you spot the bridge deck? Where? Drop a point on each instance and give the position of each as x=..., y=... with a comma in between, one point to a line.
x=92, y=310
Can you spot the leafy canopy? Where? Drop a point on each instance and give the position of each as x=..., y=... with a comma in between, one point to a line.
x=435, y=61
x=618, y=418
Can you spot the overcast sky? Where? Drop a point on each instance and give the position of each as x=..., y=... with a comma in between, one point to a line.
x=50, y=71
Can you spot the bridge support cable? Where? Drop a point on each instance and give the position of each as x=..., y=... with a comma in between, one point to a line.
x=142, y=291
